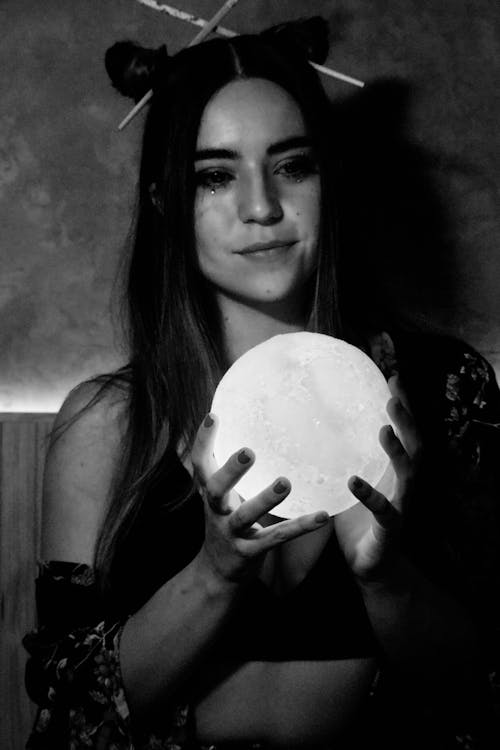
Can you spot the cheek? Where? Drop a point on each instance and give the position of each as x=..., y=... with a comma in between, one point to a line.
x=201, y=210
x=308, y=211
x=210, y=222
x=204, y=226
x=211, y=233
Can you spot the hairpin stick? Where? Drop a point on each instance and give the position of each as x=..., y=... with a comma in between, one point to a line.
x=207, y=27
x=222, y=31
x=336, y=74
x=182, y=15
x=213, y=22
x=135, y=109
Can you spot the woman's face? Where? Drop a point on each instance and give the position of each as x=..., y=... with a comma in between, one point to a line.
x=257, y=204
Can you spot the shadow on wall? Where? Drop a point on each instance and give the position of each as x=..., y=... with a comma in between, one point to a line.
x=397, y=253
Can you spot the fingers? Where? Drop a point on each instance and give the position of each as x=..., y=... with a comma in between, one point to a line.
x=243, y=519
x=405, y=426
x=202, y=452
x=404, y=467
x=252, y=510
x=385, y=513
x=397, y=390
x=219, y=485
x=272, y=536
x=216, y=483
x=393, y=447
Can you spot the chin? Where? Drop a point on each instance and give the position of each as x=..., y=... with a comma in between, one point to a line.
x=289, y=298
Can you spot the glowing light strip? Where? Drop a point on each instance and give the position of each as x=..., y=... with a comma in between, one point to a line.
x=27, y=406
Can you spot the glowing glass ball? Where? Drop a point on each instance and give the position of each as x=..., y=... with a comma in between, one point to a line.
x=310, y=406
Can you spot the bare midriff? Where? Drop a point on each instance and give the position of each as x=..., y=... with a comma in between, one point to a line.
x=285, y=703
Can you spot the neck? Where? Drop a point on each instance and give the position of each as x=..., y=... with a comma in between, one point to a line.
x=246, y=326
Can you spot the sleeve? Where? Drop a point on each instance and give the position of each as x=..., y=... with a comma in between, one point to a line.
x=473, y=413
x=472, y=420
x=73, y=671
x=455, y=395
x=472, y=417
x=456, y=401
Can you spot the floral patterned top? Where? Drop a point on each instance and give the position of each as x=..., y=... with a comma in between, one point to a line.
x=73, y=673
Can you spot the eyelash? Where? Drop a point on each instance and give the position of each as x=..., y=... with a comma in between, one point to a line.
x=213, y=179
x=302, y=166
x=295, y=168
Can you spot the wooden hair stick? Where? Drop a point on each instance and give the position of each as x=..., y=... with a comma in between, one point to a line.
x=207, y=27
x=210, y=25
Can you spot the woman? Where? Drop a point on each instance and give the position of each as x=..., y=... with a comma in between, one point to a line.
x=173, y=615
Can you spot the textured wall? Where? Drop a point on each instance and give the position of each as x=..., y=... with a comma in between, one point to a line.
x=67, y=175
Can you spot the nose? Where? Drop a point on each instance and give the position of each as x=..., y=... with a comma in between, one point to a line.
x=259, y=201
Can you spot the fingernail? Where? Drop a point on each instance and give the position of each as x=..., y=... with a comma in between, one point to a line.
x=243, y=457
x=321, y=517
x=357, y=482
x=208, y=422
x=279, y=488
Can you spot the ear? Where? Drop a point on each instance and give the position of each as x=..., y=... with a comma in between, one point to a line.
x=156, y=197
x=309, y=35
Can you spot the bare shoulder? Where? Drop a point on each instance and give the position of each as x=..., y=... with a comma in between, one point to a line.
x=82, y=460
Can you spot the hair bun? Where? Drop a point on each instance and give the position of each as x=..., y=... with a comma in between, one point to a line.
x=133, y=69
x=310, y=35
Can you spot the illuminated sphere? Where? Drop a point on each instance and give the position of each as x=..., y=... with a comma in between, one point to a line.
x=310, y=406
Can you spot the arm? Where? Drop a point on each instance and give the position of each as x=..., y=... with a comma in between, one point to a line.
x=169, y=637
x=184, y=615
x=73, y=668
x=427, y=639
x=429, y=642
x=164, y=642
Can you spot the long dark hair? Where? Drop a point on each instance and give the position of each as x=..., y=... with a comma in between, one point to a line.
x=174, y=328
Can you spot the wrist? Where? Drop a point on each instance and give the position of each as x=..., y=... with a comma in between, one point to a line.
x=216, y=586
x=395, y=577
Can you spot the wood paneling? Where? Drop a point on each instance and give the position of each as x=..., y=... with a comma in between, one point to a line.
x=23, y=445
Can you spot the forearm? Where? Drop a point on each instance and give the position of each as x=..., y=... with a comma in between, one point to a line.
x=171, y=634
x=428, y=638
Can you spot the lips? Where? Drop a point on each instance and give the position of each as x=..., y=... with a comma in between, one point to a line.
x=259, y=247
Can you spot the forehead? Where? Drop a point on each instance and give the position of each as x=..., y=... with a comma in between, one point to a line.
x=253, y=111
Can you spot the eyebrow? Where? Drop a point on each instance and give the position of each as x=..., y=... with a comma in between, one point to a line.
x=297, y=141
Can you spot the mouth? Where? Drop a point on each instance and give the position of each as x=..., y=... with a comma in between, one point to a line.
x=261, y=248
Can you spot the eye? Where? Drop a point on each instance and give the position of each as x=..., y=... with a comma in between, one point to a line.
x=213, y=179
x=298, y=167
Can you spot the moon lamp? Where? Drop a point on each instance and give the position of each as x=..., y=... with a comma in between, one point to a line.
x=310, y=406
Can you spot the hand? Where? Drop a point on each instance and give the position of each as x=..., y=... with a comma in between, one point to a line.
x=369, y=532
x=235, y=543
